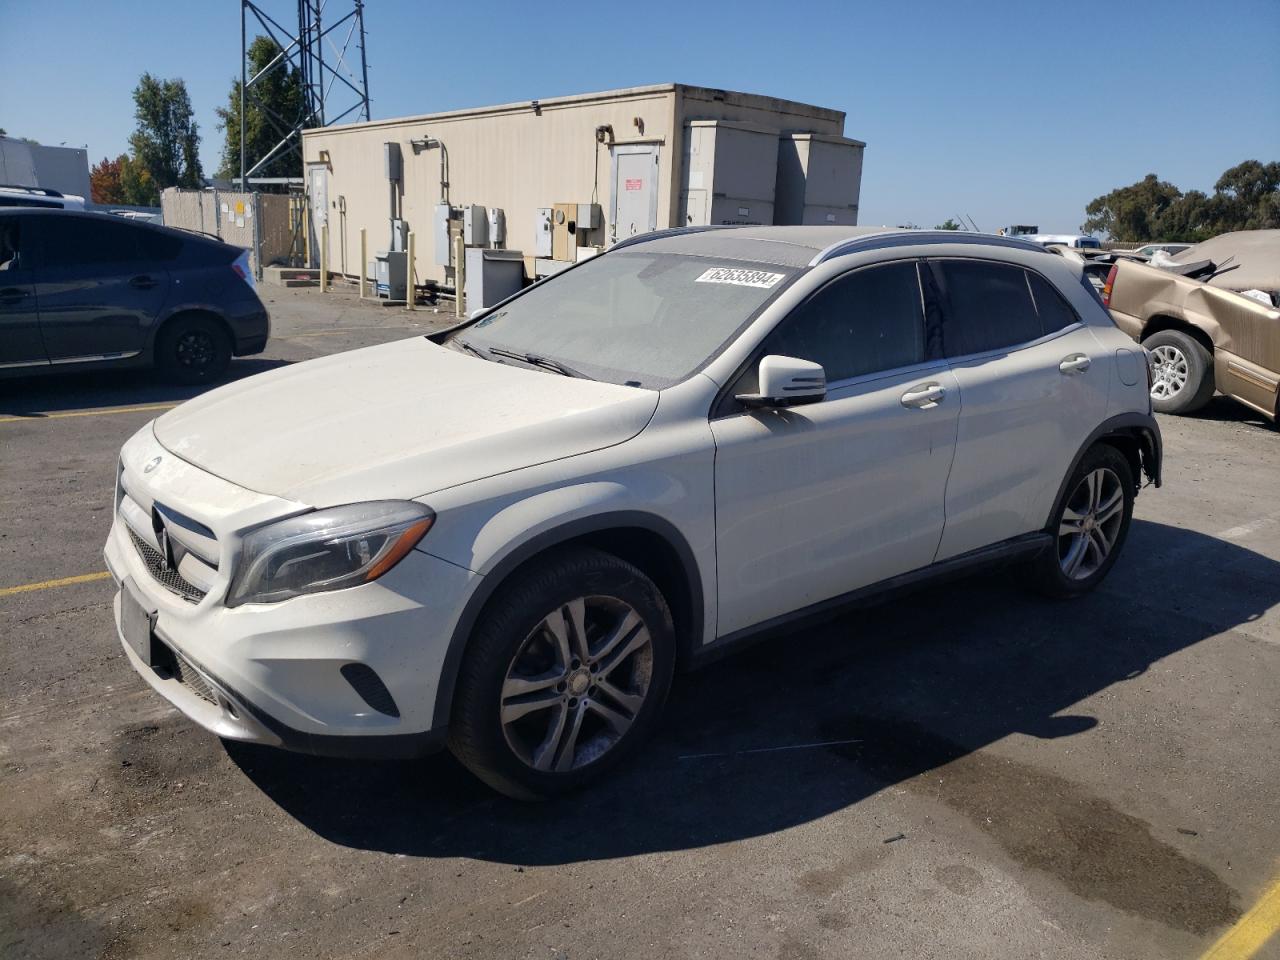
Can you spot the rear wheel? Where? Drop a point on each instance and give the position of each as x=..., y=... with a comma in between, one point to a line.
x=1182, y=372
x=565, y=674
x=193, y=349
x=1090, y=525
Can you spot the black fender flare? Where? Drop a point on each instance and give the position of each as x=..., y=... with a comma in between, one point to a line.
x=548, y=539
x=1141, y=427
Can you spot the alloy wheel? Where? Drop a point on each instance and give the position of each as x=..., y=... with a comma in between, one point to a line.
x=1090, y=524
x=1169, y=372
x=576, y=684
x=195, y=348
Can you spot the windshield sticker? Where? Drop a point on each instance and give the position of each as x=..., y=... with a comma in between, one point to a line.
x=741, y=278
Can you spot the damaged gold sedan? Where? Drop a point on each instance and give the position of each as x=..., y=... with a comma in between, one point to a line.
x=1210, y=318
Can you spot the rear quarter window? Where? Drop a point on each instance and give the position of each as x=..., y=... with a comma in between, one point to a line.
x=160, y=245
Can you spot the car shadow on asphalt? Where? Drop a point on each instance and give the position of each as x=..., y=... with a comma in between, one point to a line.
x=1225, y=410
x=809, y=724
x=34, y=396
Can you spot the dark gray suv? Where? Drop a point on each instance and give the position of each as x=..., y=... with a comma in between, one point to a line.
x=81, y=290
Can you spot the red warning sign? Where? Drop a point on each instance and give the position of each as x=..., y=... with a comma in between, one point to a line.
x=635, y=184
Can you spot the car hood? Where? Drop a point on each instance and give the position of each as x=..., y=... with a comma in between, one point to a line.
x=395, y=421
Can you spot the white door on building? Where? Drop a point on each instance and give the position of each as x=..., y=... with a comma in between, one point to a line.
x=318, y=197
x=635, y=189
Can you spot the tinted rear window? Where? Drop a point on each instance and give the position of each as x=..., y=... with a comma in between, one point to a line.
x=160, y=245
x=989, y=306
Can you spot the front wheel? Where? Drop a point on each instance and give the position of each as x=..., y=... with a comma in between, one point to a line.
x=1090, y=525
x=566, y=673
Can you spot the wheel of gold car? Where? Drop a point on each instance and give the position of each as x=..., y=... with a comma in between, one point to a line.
x=1181, y=372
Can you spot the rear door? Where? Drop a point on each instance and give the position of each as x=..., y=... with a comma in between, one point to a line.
x=635, y=189
x=99, y=287
x=20, y=343
x=1033, y=384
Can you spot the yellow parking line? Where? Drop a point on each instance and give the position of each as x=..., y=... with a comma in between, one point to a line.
x=88, y=413
x=1252, y=931
x=50, y=584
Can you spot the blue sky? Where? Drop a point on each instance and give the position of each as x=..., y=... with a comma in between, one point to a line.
x=1004, y=111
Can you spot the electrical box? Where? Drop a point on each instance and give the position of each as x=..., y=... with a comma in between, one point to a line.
x=393, y=161
x=497, y=226
x=475, y=225
x=390, y=269
x=492, y=276
x=542, y=233
x=399, y=235
x=564, y=231
x=588, y=216
x=440, y=235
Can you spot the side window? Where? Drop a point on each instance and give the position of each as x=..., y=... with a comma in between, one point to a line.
x=989, y=306
x=10, y=233
x=69, y=241
x=1055, y=312
x=864, y=322
x=159, y=244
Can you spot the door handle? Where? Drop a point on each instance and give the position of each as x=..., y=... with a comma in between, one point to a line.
x=924, y=396
x=1076, y=363
x=142, y=283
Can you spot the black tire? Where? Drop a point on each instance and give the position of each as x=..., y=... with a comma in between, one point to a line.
x=1051, y=572
x=1199, y=386
x=192, y=349
x=512, y=641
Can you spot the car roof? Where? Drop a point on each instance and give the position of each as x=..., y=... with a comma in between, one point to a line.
x=799, y=246
x=113, y=218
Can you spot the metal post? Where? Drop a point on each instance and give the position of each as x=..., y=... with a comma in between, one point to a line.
x=459, y=273
x=324, y=258
x=257, y=235
x=364, y=263
x=364, y=64
x=409, y=276
x=244, y=81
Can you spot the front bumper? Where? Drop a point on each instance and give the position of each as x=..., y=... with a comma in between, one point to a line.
x=278, y=674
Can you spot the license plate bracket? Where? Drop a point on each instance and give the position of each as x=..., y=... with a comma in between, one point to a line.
x=137, y=622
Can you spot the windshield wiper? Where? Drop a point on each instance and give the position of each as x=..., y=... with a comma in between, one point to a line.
x=470, y=349
x=535, y=360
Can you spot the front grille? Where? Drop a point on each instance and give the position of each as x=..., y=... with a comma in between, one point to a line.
x=168, y=577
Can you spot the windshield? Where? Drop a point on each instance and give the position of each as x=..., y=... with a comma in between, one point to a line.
x=641, y=319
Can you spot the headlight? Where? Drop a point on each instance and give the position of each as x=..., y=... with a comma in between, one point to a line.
x=326, y=550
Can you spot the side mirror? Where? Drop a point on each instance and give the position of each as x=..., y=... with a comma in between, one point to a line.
x=787, y=382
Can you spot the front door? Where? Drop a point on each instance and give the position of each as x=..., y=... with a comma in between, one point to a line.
x=20, y=343
x=635, y=190
x=99, y=291
x=818, y=500
x=1033, y=382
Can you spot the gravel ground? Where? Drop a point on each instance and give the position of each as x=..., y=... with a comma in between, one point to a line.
x=966, y=772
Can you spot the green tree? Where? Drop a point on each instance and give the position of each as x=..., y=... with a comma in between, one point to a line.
x=137, y=188
x=1248, y=195
x=1131, y=213
x=166, y=143
x=276, y=102
x=948, y=224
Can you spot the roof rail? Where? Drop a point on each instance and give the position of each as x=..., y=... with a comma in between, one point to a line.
x=903, y=238
x=668, y=232
x=41, y=191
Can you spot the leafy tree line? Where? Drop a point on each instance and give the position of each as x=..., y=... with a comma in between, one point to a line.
x=1246, y=197
x=164, y=149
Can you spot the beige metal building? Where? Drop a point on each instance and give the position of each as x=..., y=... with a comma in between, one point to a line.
x=560, y=179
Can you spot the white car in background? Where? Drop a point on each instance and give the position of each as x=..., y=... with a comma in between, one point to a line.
x=506, y=538
x=13, y=195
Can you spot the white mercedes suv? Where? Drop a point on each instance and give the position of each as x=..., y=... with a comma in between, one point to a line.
x=507, y=537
